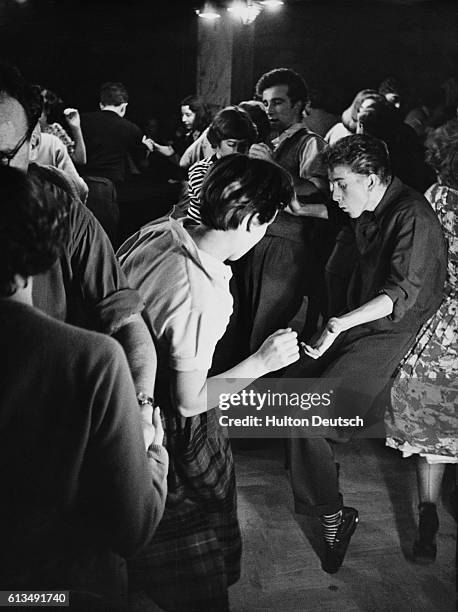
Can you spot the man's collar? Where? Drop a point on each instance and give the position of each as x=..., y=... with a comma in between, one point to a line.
x=295, y=127
x=394, y=188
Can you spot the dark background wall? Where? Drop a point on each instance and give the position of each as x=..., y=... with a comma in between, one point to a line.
x=352, y=45
x=71, y=46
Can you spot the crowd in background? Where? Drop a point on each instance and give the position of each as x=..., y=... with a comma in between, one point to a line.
x=267, y=237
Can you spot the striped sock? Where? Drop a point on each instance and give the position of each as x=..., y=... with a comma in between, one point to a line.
x=329, y=524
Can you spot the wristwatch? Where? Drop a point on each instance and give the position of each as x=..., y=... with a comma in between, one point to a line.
x=144, y=400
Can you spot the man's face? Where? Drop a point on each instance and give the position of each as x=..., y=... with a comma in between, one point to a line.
x=282, y=114
x=13, y=132
x=231, y=145
x=349, y=190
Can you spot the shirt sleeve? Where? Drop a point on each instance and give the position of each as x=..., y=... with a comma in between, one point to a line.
x=128, y=483
x=192, y=338
x=311, y=163
x=95, y=269
x=409, y=261
x=196, y=178
x=136, y=148
x=196, y=151
x=64, y=162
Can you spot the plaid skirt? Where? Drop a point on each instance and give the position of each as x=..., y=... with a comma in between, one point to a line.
x=195, y=553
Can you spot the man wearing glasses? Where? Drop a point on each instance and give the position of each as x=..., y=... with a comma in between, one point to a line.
x=85, y=286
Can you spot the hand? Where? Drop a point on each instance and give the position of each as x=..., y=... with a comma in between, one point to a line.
x=153, y=432
x=149, y=143
x=278, y=350
x=73, y=117
x=166, y=150
x=260, y=151
x=332, y=329
x=294, y=208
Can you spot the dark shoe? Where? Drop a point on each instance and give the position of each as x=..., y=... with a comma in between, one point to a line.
x=335, y=555
x=424, y=548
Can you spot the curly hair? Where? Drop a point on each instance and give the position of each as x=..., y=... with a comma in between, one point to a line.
x=297, y=89
x=237, y=186
x=362, y=153
x=442, y=153
x=13, y=84
x=199, y=107
x=33, y=229
x=52, y=104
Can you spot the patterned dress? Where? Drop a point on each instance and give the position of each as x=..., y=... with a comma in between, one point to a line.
x=57, y=130
x=423, y=418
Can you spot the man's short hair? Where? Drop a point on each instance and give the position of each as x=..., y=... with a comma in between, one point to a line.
x=13, y=85
x=231, y=122
x=33, y=230
x=237, y=186
x=362, y=154
x=113, y=94
x=297, y=89
x=391, y=85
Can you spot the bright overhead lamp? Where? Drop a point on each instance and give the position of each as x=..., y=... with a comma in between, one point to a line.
x=272, y=4
x=209, y=12
x=245, y=11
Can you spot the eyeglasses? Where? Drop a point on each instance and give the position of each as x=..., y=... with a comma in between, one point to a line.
x=6, y=158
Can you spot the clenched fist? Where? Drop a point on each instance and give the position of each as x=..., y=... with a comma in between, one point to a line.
x=279, y=350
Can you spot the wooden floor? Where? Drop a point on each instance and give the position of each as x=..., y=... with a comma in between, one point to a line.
x=281, y=571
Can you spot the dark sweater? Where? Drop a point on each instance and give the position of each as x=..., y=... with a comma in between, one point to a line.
x=77, y=484
x=109, y=140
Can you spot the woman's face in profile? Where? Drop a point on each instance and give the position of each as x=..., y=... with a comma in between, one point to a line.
x=187, y=116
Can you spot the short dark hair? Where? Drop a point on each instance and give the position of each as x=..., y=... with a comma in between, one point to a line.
x=201, y=109
x=350, y=115
x=442, y=152
x=297, y=89
x=32, y=228
x=391, y=85
x=13, y=84
x=231, y=122
x=381, y=120
x=258, y=115
x=362, y=154
x=113, y=94
x=237, y=186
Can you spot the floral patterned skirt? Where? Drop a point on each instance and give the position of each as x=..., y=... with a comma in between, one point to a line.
x=423, y=417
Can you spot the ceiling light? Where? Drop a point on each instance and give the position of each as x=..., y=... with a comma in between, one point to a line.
x=208, y=12
x=272, y=4
x=245, y=11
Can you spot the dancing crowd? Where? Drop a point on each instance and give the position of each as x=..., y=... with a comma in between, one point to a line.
x=298, y=246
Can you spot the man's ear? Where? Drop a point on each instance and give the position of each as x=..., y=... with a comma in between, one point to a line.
x=307, y=109
x=298, y=107
x=372, y=181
